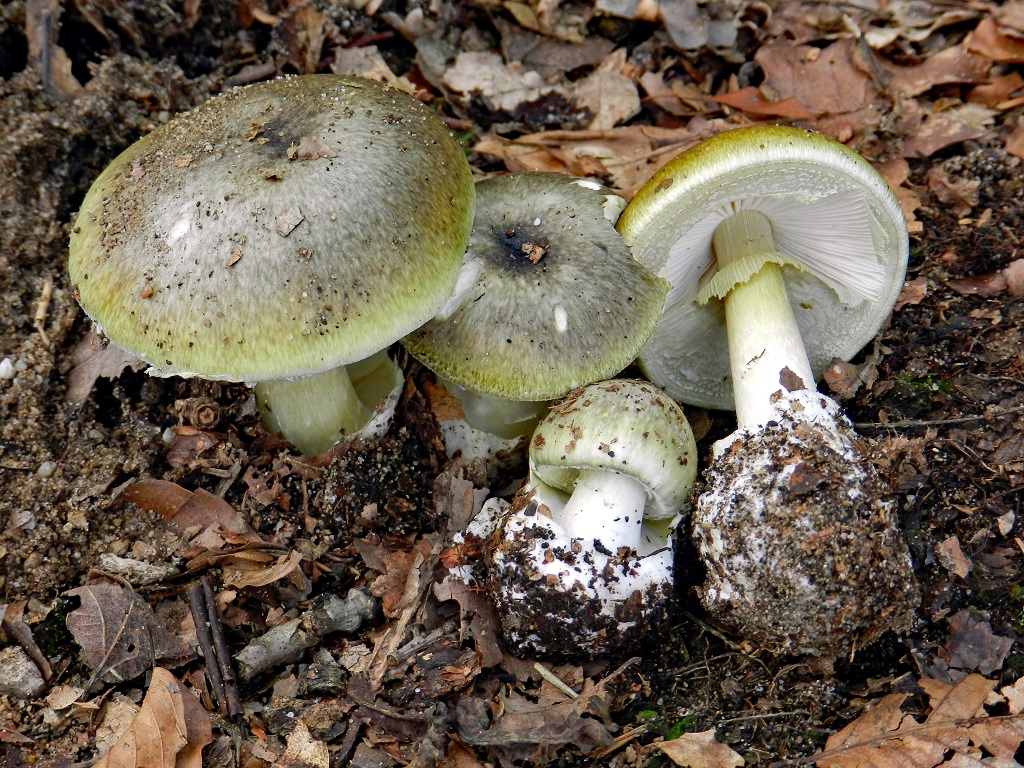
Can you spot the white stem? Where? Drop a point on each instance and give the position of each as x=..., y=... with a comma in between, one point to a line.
x=604, y=506
x=313, y=412
x=764, y=339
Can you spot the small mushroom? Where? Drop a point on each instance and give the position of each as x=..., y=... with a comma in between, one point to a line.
x=582, y=562
x=784, y=249
x=549, y=299
x=275, y=234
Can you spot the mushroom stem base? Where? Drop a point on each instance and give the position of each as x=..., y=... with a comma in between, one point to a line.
x=313, y=412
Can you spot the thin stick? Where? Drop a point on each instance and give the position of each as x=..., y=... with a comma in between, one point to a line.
x=223, y=656
x=204, y=636
x=552, y=678
x=43, y=310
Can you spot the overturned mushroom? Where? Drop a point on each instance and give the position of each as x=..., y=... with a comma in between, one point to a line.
x=274, y=235
x=784, y=249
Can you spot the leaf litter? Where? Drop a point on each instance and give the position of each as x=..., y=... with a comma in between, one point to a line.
x=337, y=570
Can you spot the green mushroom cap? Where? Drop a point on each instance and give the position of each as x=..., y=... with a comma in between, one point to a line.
x=279, y=230
x=555, y=299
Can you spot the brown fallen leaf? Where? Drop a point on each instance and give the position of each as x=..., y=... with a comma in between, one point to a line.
x=118, y=632
x=972, y=647
x=187, y=508
x=951, y=556
x=92, y=359
x=752, y=101
x=1015, y=139
x=700, y=750
x=884, y=737
x=515, y=728
x=169, y=731
x=988, y=40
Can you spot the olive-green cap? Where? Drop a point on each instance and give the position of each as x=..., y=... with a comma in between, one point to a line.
x=279, y=230
x=550, y=298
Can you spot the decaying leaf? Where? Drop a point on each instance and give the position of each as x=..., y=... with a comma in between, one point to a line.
x=700, y=750
x=885, y=737
x=92, y=359
x=304, y=751
x=187, y=509
x=119, y=635
x=169, y=731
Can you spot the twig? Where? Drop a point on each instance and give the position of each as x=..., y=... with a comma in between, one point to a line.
x=286, y=642
x=765, y=716
x=19, y=632
x=552, y=678
x=907, y=423
x=42, y=310
x=227, y=669
x=204, y=636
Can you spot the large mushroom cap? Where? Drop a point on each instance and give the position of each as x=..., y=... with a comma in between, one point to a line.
x=830, y=212
x=279, y=230
x=557, y=301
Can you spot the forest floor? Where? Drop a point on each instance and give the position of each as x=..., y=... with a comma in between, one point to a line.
x=99, y=461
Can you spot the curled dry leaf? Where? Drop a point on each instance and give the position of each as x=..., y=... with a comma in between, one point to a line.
x=169, y=731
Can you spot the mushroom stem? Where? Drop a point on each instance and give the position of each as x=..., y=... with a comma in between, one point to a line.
x=312, y=412
x=764, y=339
x=497, y=415
x=605, y=506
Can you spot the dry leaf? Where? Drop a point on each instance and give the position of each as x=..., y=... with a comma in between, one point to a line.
x=93, y=360
x=988, y=40
x=884, y=737
x=700, y=750
x=303, y=751
x=752, y=101
x=187, y=508
x=169, y=731
x=243, y=572
x=951, y=556
x=610, y=96
x=973, y=646
x=503, y=87
x=119, y=635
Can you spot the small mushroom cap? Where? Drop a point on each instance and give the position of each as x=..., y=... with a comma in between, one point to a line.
x=279, y=230
x=830, y=212
x=558, y=300
x=625, y=426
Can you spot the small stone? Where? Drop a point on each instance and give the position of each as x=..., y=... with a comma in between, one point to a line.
x=19, y=676
x=47, y=469
x=7, y=368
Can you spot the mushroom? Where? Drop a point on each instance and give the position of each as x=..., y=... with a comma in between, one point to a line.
x=275, y=234
x=785, y=249
x=549, y=299
x=582, y=561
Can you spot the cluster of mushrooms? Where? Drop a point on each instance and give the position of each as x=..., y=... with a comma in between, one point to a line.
x=286, y=234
